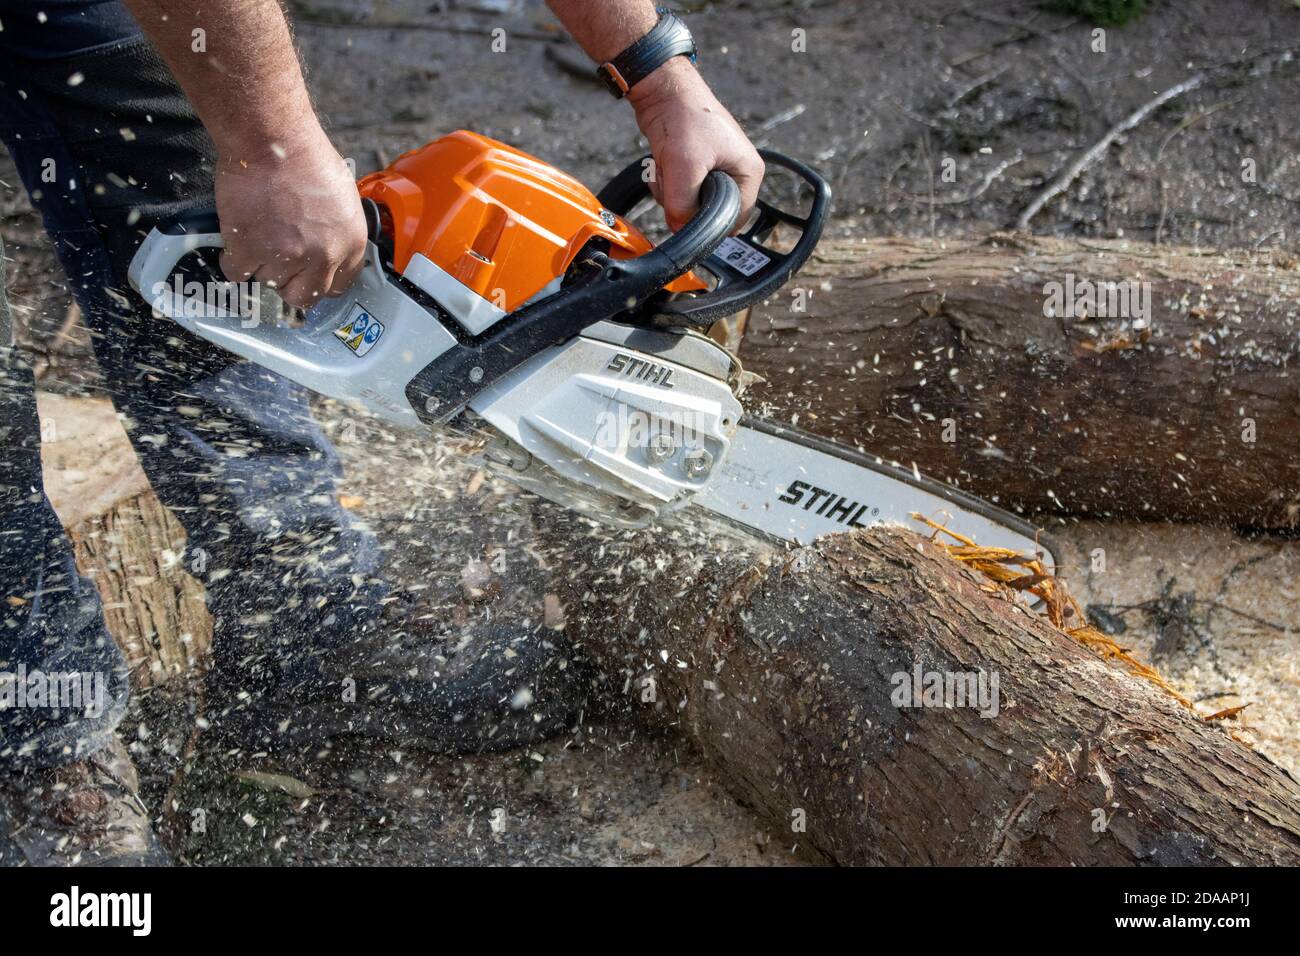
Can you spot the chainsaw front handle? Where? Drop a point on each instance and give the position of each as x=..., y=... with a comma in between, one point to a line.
x=719, y=205
x=747, y=270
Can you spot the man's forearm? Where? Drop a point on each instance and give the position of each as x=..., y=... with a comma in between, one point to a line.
x=236, y=62
x=607, y=28
x=290, y=214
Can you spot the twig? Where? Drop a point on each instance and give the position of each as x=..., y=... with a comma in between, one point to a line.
x=1024, y=31
x=980, y=81
x=854, y=154
x=772, y=122
x=1160, y=153
x=989, y=178
x=574, y=63
x=1164, y=210
x=1099, y=148
x=887, y=186
x=65, y=327
x=1190, y=122
x=1255, y=67
x=1244, y=564
x=782, y=117
x=1027, y=26
x=923, y=120
x=1068, y=69
x=929, y=169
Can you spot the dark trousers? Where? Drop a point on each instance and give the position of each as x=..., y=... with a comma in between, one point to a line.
x=107, y=147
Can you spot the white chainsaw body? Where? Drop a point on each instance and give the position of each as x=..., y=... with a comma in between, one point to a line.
x=598, y=411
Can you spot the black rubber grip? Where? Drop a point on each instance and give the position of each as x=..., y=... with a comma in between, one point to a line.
x=719, y=205
x=735, y=290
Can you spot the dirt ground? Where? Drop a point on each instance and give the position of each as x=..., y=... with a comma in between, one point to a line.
x=607, y=792
x=884, y=94
x=880, y=97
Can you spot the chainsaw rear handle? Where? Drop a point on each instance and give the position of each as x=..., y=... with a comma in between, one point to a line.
x=160, y=256
x=156, y=264
x=760, y=271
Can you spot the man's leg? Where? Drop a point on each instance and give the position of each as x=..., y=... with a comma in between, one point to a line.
x=51, y=625
x=230, y=448
x=68, y=792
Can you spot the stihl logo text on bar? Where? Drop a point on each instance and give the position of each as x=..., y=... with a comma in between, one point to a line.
x=833, y=506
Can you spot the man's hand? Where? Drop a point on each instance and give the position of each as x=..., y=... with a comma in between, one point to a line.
x=691, y=134
x=290, y=217
x=290, y=214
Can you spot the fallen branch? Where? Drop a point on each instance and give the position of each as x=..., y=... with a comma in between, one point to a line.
x=1253, y=67
x=988, y=180
x=1099, y=148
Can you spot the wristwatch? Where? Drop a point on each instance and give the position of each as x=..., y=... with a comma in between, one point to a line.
x=667, y=39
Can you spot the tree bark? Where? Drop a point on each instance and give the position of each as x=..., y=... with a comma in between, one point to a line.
x=784, y=668
x=940, y=353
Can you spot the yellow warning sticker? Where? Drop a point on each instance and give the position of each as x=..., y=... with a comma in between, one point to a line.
x=361, y=331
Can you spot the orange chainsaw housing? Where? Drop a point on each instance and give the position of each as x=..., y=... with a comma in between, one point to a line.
x=500, y=222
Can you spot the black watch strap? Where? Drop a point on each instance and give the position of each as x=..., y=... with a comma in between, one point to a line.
x=667, y=39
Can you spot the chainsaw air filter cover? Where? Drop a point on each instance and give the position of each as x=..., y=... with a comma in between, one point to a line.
x=484, y=228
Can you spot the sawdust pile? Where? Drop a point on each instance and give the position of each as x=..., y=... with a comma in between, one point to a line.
x=1019, y=572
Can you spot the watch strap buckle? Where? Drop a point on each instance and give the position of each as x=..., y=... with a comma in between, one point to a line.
x=613, y=79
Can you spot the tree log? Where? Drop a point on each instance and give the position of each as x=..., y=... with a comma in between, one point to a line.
x=124, y=540
x=940, y=353
x=153, y=607
x=785, y=669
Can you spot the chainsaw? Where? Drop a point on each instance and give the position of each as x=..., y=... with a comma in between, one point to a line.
x=500, y=297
